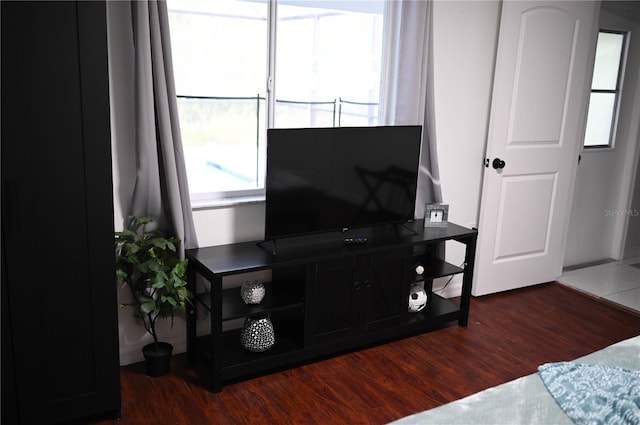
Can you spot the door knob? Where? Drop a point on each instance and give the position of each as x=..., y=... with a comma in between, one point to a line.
x=498, y=164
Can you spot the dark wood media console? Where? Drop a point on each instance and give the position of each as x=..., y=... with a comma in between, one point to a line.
x=325, y=297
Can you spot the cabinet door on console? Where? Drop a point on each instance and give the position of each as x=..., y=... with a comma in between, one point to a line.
x=385, y=290
x=356, y=295
x=332, y=305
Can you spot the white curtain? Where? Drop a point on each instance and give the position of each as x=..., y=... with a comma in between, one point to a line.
x=407, y=88
x=161, y=189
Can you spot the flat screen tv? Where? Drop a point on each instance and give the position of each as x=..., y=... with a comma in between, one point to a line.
x=340, y=178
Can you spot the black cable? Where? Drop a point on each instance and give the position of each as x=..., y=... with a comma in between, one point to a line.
x=448, y=281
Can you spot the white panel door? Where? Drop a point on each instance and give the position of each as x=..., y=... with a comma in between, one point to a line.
x=541, y=83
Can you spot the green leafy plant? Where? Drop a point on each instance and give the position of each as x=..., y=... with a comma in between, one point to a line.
x=146, y=261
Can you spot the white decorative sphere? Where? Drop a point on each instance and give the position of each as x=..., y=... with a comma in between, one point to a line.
x=419, y=269
x=417, y=298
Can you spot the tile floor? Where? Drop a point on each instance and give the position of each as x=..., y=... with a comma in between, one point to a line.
x=618, y=282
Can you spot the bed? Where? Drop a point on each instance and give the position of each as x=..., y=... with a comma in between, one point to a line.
x=600, y=388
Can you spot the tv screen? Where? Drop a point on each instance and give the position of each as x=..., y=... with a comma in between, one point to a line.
x=339, y=178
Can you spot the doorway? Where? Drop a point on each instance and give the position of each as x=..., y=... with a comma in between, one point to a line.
x=605, y=214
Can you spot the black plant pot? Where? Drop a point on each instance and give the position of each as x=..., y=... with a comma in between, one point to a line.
x=158, y=358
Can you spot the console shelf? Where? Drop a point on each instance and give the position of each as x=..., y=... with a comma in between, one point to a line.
x=325, y=297
x=233, y=307
x=435, y=268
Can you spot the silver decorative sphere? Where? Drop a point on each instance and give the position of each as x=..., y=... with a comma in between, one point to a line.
x=252, y=292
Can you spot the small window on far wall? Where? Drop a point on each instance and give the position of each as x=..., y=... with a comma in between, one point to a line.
x=605, y=89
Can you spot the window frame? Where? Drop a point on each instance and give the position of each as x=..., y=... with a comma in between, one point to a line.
x=616, y=92
x=230, y=197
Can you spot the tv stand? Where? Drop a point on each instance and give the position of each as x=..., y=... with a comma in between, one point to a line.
x=325, y=297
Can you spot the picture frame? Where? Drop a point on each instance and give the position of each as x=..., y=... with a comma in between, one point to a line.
x=436, y=215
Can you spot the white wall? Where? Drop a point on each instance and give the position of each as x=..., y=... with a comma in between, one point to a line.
x=465, y=37
x=604, y=180
x=632, y=243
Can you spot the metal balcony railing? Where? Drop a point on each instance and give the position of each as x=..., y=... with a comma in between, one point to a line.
x=234, y=124
x=339, y=109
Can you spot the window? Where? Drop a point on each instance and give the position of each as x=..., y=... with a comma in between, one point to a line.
x=239, y=71
x=605, y=89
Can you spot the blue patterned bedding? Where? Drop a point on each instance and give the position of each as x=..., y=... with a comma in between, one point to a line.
x=527, y=400
x=594, y=393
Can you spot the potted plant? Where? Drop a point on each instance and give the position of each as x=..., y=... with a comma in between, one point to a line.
x=147, y=262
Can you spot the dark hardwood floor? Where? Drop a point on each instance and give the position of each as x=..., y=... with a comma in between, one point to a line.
x=508, y=336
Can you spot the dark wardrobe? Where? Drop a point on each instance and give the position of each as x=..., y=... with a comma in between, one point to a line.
x=59, y=301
